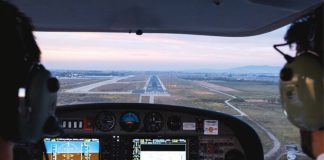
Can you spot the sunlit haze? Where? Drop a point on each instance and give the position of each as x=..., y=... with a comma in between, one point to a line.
x=123, y=51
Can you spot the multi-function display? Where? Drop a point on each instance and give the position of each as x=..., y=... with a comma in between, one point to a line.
x=159, y=149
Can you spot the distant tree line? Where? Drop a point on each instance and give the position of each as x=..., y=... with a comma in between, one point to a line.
x=230, y=79
x=86, y=73
x=272, y=100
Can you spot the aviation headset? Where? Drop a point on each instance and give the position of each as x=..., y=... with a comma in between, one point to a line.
x=301, y=91
x=37, y=101
x=301, y=88
x=33, y=115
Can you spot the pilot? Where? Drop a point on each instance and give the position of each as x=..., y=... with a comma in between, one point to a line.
x=301, y=84
x=29, y=93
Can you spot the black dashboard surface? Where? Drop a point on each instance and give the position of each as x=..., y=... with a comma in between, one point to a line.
x=206, y=134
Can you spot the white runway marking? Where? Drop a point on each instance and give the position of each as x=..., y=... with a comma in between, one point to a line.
x=151, y=99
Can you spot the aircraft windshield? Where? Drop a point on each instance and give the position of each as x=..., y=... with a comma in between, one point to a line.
x=238, y=76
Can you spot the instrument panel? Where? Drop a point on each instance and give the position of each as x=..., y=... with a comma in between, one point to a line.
x=151, y=131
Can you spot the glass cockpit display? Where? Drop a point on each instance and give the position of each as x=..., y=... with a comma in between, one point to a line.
x=159, y=149
x=72, y=148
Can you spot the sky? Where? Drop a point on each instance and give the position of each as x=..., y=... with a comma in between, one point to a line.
x=156, y=52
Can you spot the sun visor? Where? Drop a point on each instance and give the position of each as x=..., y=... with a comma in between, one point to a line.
x=203, y=17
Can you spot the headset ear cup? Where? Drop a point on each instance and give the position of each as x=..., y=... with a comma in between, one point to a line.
x=286, y=74
x=40, y=102
x=302, y=93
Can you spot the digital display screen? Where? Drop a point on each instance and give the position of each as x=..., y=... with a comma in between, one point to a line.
x=72, y=148
x=159, y=149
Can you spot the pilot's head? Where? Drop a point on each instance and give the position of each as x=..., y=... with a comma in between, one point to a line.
x=28, y=93
x=302, y=80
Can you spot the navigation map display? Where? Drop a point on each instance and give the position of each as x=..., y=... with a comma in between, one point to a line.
x=72, y=148
x=159, y=149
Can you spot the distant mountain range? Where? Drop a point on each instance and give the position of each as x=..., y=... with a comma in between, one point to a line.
x=245, y=69
x=256, y=69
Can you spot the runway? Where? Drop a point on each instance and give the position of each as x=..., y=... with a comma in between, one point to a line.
x=153, y=87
